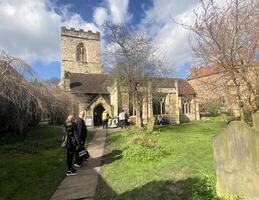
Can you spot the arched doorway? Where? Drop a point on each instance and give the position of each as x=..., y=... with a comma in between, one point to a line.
x=98, y=110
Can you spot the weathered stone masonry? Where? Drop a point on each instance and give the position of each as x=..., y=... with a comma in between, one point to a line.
x=70, y=38
x=81, y=73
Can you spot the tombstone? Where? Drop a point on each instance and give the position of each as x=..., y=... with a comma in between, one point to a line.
x=150, y=124
x=113, y=122
x=88, y=121
x=236, y=157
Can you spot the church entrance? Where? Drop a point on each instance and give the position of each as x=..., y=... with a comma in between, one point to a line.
x=98, y=110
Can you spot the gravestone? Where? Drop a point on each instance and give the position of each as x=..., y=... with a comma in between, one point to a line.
x=236, y=156
x=89, y=121
x=151, y=124
x=113, y=122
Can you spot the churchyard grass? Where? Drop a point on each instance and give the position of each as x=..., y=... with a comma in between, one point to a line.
x=32, y=165
x=181, y=166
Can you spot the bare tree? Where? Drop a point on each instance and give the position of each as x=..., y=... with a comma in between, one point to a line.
x=132, y=55
x=229, y=36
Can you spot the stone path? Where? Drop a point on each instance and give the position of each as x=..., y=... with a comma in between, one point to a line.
x=83, y=184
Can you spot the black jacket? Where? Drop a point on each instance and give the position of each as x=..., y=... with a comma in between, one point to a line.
x=71, y=130
x=81, y=130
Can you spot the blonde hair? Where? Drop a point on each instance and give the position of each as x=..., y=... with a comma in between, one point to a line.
x=82, y=114
x=70, y=118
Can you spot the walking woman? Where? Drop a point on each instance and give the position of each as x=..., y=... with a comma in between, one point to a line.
x=70, y=129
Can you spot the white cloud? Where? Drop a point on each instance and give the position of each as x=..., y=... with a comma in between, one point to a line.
x=100, y=15
x=119, y=11
x=76, y=21
x=172, y=40
x=30, y=29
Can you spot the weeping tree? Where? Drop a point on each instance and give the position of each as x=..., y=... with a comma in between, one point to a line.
x=23, y=98
x=20, y=107
x=134, y=63
x=228, y=35
x=57, y=104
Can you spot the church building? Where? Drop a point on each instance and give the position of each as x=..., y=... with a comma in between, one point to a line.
x=81, y=74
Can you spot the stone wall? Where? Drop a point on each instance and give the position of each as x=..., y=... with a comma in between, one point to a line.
x=194, y=113
x=70, y=38
x=172, y=108
x=99, y=101
x=114, y=99
x=236, y=155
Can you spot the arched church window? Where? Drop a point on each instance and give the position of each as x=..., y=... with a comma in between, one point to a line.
x=186, y=107
x=158, y=106
x=81, y=52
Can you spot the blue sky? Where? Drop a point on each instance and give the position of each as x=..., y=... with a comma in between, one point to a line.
x=30, y=29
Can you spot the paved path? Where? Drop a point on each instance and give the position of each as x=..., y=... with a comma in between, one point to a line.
x=83, y=184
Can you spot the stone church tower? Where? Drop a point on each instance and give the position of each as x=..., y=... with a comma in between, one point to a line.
x=81, y=74
x=80, y=52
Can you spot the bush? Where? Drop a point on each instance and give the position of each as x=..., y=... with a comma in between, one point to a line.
x=205, y=189
x=140, y=153
x=210, y=108
x=144, y=148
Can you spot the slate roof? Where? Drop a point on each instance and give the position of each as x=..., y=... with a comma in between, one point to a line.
x=97, y=84
x=205, y=71
x=184, y=88
x=89, y=83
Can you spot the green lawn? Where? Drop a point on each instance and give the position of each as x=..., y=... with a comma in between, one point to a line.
x=32, y=166
x=174, y=162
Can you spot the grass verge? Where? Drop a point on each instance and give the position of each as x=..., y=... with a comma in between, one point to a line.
x=184, y=169
x=32, y=166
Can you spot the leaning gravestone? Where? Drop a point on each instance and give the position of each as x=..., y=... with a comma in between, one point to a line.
x=151, y=124
x=236, y=156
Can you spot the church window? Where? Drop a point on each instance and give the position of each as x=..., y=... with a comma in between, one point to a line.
x=81, y=53
x=158, y=106
x=186, y=107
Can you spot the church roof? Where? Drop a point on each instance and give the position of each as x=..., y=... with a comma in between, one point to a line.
x=184, y=88
x=97, y=84
x=89, y=83
x=203, y=71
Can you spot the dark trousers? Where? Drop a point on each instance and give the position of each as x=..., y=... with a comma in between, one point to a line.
x=105, y=124
x=70, y=155
x=126, y=123
x=122, y=123
x=78, y=160
x=82, y=140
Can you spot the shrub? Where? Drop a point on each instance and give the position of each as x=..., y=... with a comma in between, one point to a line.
x=140, y=153
x=144, y=148
x=205, y=189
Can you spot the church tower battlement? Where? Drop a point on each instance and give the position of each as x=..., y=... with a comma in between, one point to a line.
x=80, y=51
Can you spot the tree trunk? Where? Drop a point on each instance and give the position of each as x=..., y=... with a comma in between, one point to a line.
x=138, y=112
x=239, y=98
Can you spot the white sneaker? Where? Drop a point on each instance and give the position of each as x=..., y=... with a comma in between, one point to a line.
x=76, y=165
x=71, y=173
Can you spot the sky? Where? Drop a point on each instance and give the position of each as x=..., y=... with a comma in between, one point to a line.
x=30, y=29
